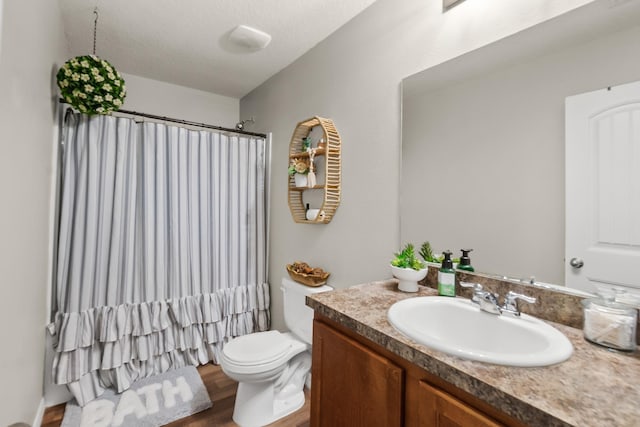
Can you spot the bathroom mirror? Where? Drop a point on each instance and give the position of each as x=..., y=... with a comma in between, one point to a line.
x=483, y=150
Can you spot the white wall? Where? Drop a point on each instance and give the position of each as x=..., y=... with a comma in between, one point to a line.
x=179, y=102
x=498, y=180
x=354, y=78
x=32, y=44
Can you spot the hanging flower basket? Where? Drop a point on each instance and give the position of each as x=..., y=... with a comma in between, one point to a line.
x=91, y=85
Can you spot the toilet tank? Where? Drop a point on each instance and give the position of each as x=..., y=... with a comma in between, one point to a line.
x=297, y=315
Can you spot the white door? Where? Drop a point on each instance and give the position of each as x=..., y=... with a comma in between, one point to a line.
x=602, y=245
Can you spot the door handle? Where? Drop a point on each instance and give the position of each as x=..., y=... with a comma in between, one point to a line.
x=576, y=263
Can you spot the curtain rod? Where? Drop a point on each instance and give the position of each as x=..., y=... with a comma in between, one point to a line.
x=184, y=122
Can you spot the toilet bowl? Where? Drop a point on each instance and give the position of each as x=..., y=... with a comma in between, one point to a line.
x=272, y=367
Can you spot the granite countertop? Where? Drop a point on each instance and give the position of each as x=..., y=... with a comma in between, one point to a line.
x=595, y=387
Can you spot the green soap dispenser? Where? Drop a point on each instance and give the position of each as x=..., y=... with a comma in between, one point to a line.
x=465, y=261
x=447, y=277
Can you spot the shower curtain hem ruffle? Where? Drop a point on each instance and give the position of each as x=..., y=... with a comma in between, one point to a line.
x=117, y=345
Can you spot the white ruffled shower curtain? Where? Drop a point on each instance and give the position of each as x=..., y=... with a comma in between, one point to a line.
x=162, y=249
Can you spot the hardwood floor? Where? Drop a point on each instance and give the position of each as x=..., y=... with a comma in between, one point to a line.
x=222, y=391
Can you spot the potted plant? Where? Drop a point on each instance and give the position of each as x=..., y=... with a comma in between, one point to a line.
x=427, y=253
x=91, y=85
x=299, y=168
x=306, y=143
x=408, y=269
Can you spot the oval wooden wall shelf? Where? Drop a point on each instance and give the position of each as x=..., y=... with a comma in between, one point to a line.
x=332, y=170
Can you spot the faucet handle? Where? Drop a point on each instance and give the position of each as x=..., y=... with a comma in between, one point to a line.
x=477, y=288
x=511, y=302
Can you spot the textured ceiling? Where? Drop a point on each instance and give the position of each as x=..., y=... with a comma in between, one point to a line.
x=184, y=41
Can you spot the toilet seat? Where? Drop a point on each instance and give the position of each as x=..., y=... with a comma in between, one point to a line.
x=260, y=347
x=259, y=352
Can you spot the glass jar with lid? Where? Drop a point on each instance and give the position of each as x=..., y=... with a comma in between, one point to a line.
x=610, y=323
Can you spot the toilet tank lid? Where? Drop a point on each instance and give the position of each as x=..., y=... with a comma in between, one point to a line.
x=304, y=289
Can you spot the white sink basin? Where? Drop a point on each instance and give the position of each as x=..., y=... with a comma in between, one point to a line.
x=456, y=326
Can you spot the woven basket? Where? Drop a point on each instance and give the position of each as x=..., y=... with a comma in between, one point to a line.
x=307, y=279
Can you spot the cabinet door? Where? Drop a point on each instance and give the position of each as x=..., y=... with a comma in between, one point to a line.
x=351, y=385
x=440, y=409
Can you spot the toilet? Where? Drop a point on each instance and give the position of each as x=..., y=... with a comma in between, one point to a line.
x=272, y=367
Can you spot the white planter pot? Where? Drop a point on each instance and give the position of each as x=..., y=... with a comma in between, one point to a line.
x=300, y=180
x=408, y=278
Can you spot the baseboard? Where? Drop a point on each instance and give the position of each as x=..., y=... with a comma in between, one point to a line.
x=37, y=421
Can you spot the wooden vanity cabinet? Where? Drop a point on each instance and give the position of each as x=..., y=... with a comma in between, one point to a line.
x=440, y=409
x=352, y=385
x=356, y=382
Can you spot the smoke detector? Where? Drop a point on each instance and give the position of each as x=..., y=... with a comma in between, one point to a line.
x=249, y=37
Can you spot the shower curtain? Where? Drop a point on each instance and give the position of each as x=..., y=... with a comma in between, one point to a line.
x=162, y=249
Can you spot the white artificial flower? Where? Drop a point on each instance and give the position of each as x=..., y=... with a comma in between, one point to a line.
x=75, y=77
x=64, y=83
x=95, y=58
x=67, y=72
x=95, y=71
x=99, y=78
x=82, y=95
x=117, y=102
x=100, y=110
x=84, y=77
x=107, y=87
x=98, y=98
x=111, y=75
x=74, y=62
x=88, y=88
x=82, y=108
x=85, y=63
x=116, y=82
x=108, y=97
x=76, y=93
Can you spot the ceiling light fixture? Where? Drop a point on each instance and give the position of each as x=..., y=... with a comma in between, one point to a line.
x=249, y=37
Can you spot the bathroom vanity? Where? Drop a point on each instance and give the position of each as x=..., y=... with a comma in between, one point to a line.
x=365, y=373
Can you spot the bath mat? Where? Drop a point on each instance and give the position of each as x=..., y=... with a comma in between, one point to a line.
x=150, y=402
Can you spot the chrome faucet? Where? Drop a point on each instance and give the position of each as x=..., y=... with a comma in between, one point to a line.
x=488, y=301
